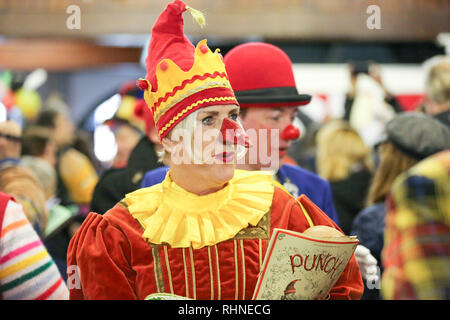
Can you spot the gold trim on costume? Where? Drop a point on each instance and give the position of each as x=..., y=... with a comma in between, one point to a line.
x=219, y=293
x=305, y=213
x=166, y=256
x=243, y=268
x=157, y=269
x=260, y=231
x=211, y=273
x=185, y=274
x=236, y=293
x=191, y=255
x=260, y=253
x=123, y=204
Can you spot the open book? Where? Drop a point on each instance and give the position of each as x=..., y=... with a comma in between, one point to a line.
x=298, y=266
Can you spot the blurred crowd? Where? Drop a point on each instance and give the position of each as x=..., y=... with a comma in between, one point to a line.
x=389, y=173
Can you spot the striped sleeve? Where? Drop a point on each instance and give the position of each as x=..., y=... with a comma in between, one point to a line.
x=27, y=272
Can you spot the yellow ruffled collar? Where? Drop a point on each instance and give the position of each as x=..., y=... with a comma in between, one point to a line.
x=169, y=214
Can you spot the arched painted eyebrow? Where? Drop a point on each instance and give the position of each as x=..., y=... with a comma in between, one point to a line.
x=216, y=113
x=235, y=110
x=210, y=113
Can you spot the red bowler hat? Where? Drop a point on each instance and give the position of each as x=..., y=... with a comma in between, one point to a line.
x=261, y=76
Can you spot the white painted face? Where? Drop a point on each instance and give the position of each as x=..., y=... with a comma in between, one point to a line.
x=196, y=144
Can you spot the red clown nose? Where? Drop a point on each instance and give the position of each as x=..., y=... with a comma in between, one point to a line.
x=290, y=133
x=233, y=133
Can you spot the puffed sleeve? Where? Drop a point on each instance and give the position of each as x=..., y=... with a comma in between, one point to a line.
x=349, y=286
x=98, y=262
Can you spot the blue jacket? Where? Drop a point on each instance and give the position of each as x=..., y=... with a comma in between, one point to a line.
x=154, y=176
x=369, y=226
x=295, y=179
x=301, y=181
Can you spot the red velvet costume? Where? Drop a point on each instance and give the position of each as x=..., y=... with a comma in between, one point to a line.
x=115, y=262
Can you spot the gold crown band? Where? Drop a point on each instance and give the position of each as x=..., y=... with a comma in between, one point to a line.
x=193, y=105
x=213, y=84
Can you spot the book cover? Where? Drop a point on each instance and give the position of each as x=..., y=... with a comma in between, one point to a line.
x=300, y=266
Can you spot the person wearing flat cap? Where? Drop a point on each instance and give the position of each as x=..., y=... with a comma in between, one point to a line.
x=410, y=138
x=203, y=232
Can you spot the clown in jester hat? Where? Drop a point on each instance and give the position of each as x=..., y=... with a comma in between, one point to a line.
x=202, y=233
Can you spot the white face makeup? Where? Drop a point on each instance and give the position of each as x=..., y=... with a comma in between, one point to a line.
x=265, y=128
x=199, y=137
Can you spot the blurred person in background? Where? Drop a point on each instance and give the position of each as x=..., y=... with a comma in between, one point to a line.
x=437, y=88
x=38, y=143
x=115, y=183
x=416, y=255
x=82, y=141
x=23, y=185
x=76, y=174
x=372, y=70
x=27, y=271
x=38, y=155
x=10, y=143
x=126, y=137
x=345, y=161
x=369, y=105
x=410, y=137
x=19, y=181
x=128, y=128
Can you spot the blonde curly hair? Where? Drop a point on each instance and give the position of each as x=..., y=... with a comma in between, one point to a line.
x=23, y=185
x=339, y=150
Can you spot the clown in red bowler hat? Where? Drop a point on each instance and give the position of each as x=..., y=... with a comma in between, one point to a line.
x=263, y=81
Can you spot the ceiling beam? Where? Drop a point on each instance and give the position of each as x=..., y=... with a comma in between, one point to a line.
x=62, y=55
x=234, y=19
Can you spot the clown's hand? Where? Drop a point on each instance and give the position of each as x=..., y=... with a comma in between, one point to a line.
x=367, y=263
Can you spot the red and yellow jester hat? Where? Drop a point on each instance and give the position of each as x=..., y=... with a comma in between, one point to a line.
x=180, y=78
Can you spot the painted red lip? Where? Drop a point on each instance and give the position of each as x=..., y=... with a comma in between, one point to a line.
x=225, y=156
